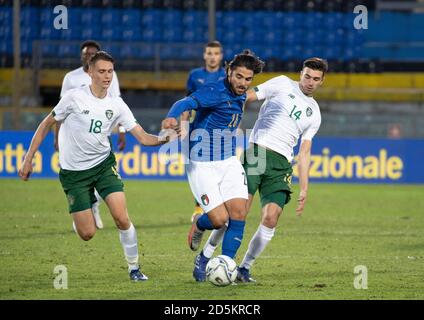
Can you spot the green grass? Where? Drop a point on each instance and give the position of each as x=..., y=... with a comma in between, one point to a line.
x=312, y=257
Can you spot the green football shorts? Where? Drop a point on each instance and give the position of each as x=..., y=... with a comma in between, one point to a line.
x=79, y=185
x=270, y=173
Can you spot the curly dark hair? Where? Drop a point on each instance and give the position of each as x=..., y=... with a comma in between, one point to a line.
x=246, y=59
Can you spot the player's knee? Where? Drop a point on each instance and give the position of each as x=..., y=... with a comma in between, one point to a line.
x=219, y=221
x=238, y=213
x=86, y=234
x=123, y=223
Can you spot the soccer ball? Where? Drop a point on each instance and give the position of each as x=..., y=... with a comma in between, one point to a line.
x=221, y=271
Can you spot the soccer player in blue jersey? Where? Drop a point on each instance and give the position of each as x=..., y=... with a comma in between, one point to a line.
x=211, y=72
x=216, y=177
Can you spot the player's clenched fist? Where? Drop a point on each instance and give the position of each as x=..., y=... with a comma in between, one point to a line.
x=25, y=170
x=169, y=123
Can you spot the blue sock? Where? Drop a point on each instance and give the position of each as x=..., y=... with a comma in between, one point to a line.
x=203, y=223
x=233, y=237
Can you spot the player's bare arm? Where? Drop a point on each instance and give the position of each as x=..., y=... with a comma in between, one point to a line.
x=251, y=95
x=42, y=130
x=148, y=139
x=303, y=168
x=56, y=135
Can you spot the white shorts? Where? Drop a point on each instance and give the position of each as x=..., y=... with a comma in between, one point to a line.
x=216, y=182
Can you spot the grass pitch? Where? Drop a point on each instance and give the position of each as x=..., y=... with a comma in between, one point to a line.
x=312, y=257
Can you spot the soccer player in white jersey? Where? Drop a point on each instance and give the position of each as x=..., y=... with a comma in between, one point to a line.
x=76, y=79
x=288, y=112
x=89, y=114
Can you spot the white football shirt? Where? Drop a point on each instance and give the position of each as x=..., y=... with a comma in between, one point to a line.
x=87, y=124
x=286, y=114
x=78, y=78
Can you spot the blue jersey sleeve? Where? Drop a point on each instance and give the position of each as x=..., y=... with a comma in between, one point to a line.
x=182, y=105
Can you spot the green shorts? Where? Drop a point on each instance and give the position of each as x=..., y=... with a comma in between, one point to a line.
x=79, y=185
x=270, y=173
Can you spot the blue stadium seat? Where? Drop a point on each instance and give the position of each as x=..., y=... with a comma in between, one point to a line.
x=70, y=34
x=90, y=17
x=30, y=33
x=151, y=34
x=273, y=37
x=145, y=52
x=169, y=52
x=46, y=17
x=293, y=51
x=229, y=52
x=49, y=33
x=172, y=34
x=29, y=16
x=188, y=53
x=131, y=18
x=194, y=19
x=6, y=46
x=49, y=50
x=66, y=50
x=333, y=20
x=26, y=46
x=292, y=37
x=6, y=15
x=293, y=20
x=112, y=49
x=111, y=17
x=194, y=35
x=131, y=34
x=172, y=19
x=6, y=31
x=151, y=18
x=112, y=33
x=74, y=16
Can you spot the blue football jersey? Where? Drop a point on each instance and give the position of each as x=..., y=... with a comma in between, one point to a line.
x=218, y=114
x=200, y=76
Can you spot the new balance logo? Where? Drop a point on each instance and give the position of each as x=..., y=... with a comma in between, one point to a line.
x=85, y=111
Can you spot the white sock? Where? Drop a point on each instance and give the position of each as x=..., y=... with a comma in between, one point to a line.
x=257, y=244
x=98, y=197
x=213, y=241
x=129, y=243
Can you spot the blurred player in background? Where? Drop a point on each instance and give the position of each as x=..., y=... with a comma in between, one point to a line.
x=215, y=175
x=211, y=72
x=288, y=112
x=88, y=115
x=76, y=79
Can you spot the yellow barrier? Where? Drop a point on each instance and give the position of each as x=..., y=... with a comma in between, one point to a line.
x=337, y=86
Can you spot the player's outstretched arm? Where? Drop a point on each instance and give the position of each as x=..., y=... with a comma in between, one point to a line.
x=303, y=167
x=122, y=140
x=42, y=130
x=56, y=136
x=148, y=139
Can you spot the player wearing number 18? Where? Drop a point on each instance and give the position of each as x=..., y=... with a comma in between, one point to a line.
x=89, y=115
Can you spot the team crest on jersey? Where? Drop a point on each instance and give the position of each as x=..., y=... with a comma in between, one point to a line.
x=291, y=96
x=308, y=111
x=109, y=114
x=205, y=199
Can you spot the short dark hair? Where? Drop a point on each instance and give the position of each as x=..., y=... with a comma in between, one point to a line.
x=316, y=64
x=246, y=59
x=90, y=43
x=100, y=55
x=214, y=44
